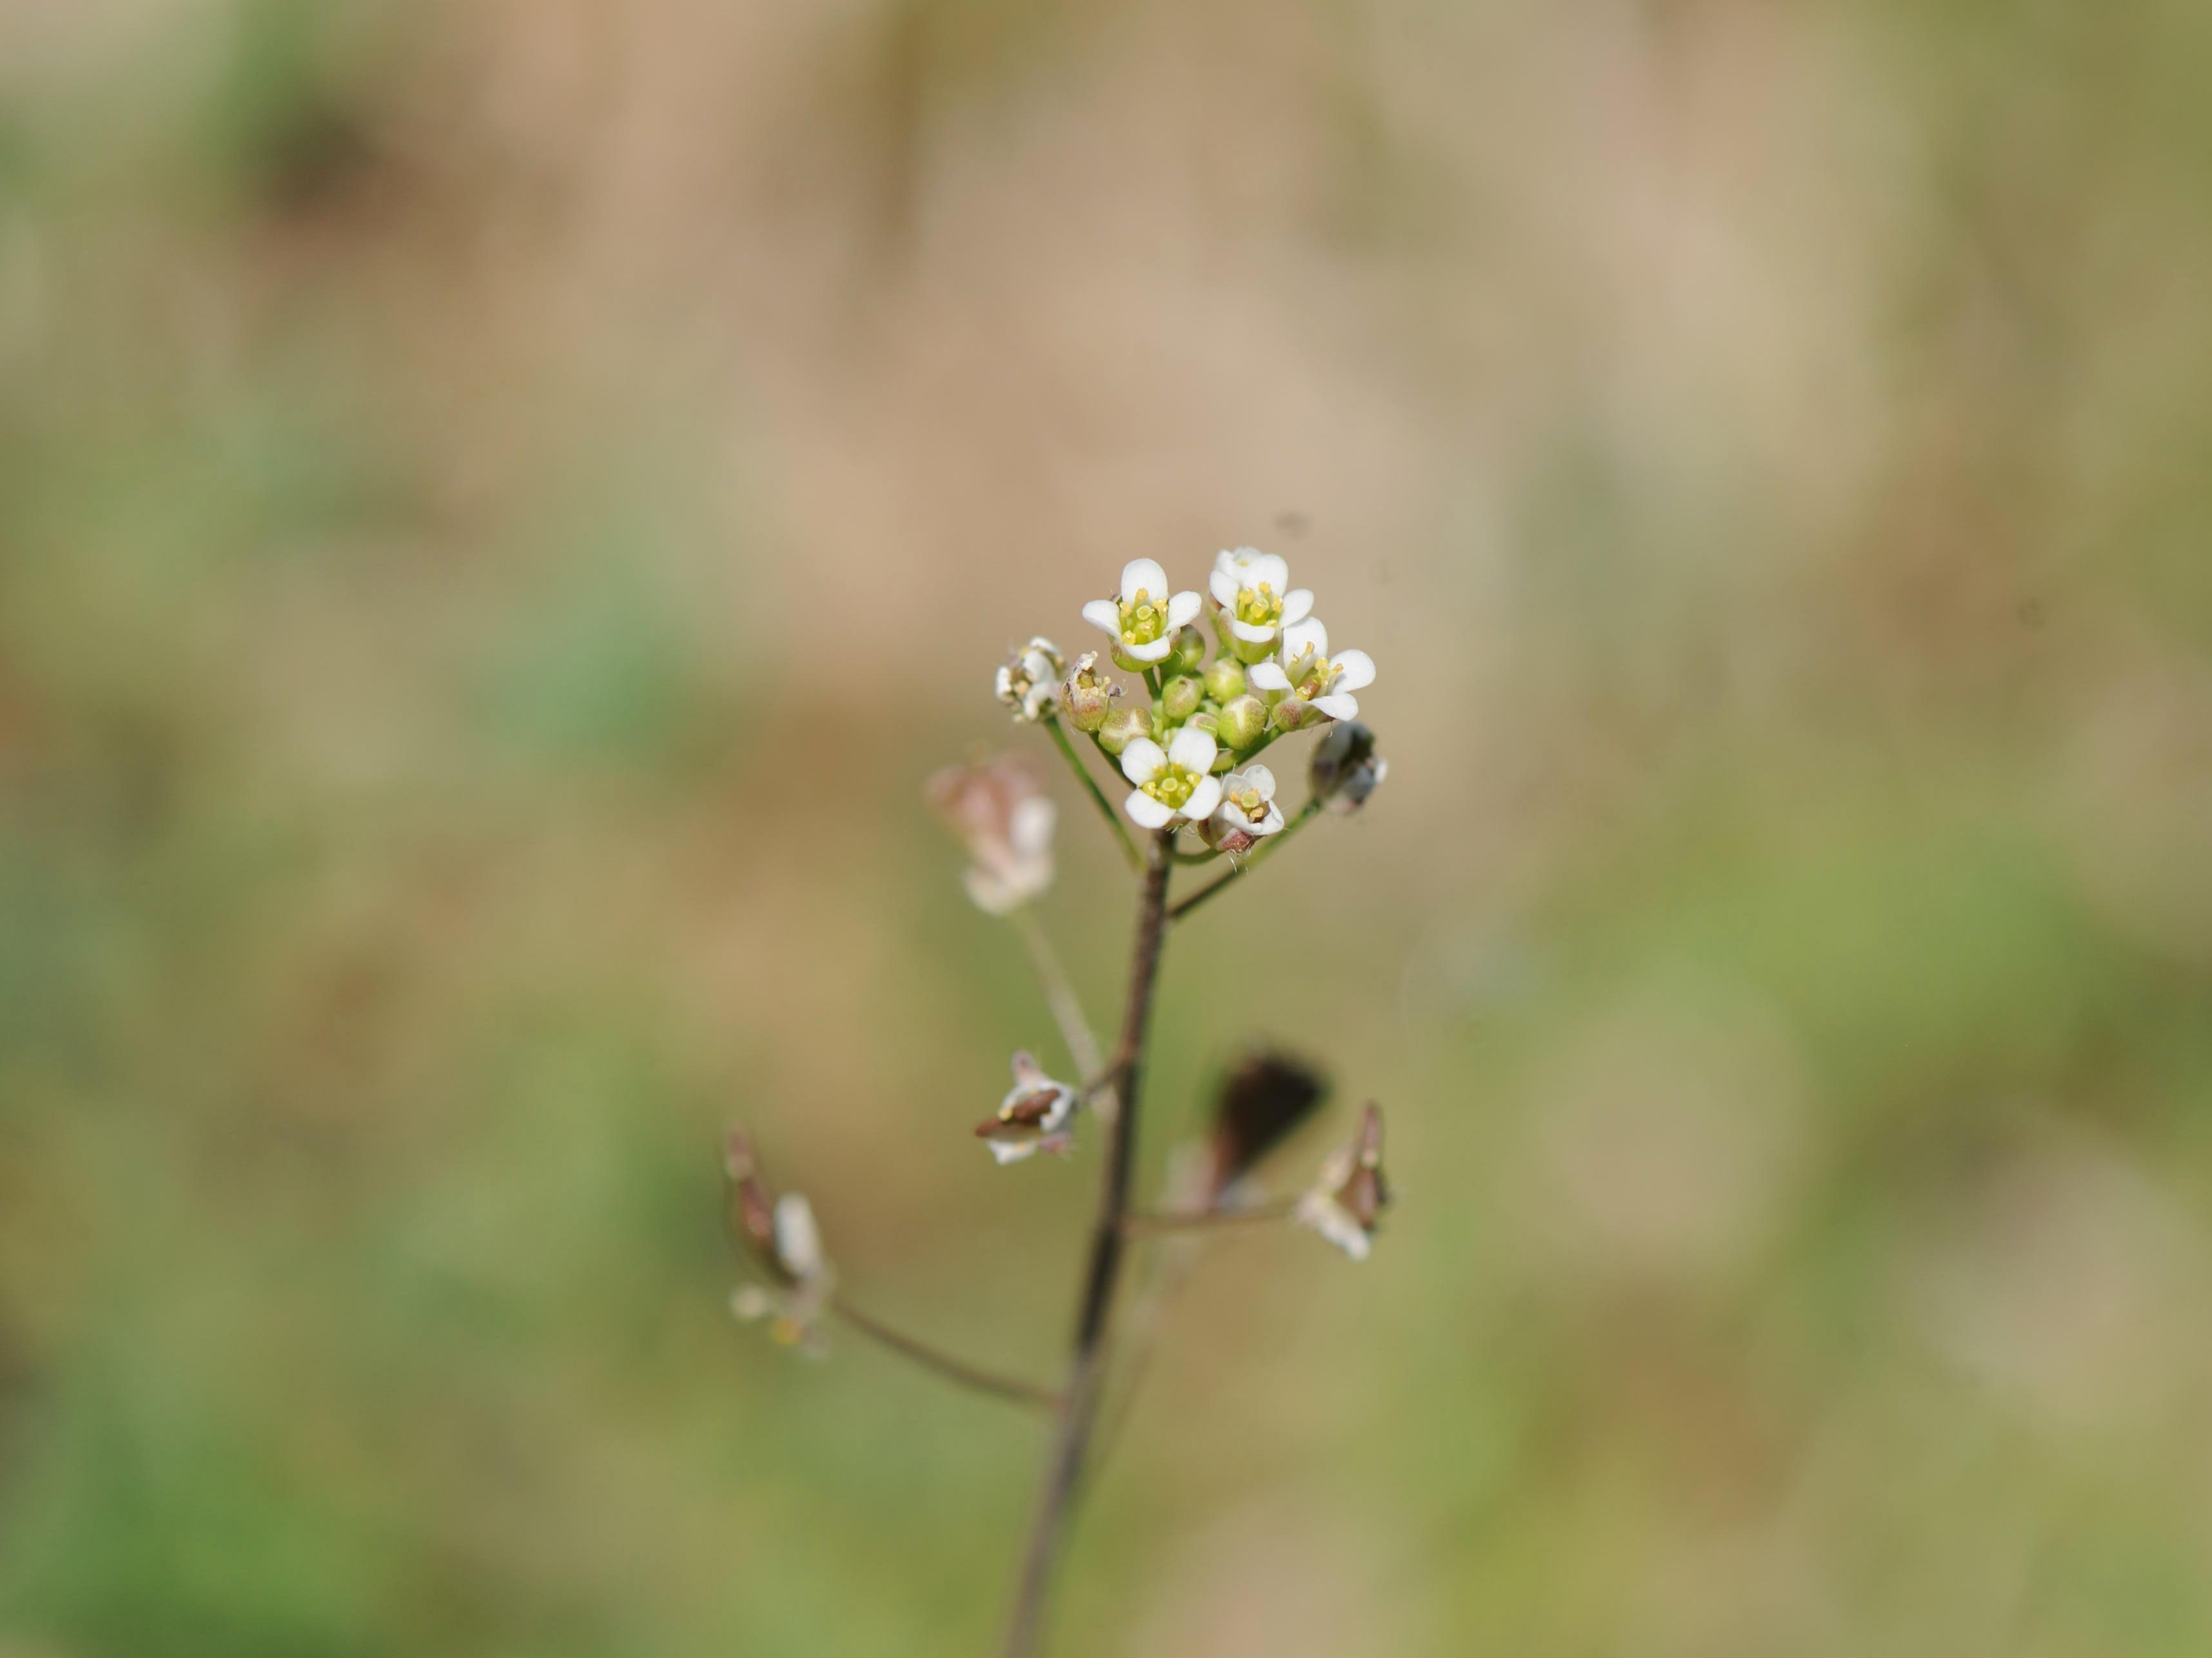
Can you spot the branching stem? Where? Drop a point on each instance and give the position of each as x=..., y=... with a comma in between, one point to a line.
x=1266, y=848
x=1097, y=795
x=1058, y=992
x=1078, y=1409
x=974, y=1377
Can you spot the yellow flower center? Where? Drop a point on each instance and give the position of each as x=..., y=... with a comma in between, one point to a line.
x=1259, y=607
x=1250, y=802
x=1172, y=786
x=1142, y=620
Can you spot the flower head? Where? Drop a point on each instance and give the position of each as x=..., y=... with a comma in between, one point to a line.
x=1144, y=621
x=997, y=810
x=1256, y=599
x=1029, y=679
x=1345, y=769
x=1172, y=784
x=1247, y=813
x=1032, y=1118
x=1088, y=696
x=1307, y=676
x=781, y=1239
x=1349, y=1198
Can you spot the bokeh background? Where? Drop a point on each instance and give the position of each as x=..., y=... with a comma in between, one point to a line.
x=501, y=505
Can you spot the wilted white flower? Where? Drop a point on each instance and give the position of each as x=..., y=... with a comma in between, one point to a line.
x=1351, y=1195
x=1028, y=680
x=1175, y=784
x=784, y=1242
x=1256, y=599
x=1247, y=812
x=1032, y=1118
x=1307, y=672
x=1143, y=623
x=1345, y=769
x=998, y=811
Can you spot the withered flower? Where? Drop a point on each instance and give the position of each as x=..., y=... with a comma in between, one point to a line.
x=1349, y=1198
x=779, y=1236
x=996, y=808
x=1344, y=769
x=1261, y=1103
x=1032, y=1118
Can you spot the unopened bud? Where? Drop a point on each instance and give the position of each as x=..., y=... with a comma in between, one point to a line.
x=1243, y=722
x=1224, y=680
x=1180, y=700
x=1346, y=768
x=1189, y=651
x=1294, y=713
x=1123, y=727
x=1088, y=696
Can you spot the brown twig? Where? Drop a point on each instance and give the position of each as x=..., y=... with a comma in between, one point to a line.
x=1101, y=1273
x=1208, y=1220
x=973, y=1376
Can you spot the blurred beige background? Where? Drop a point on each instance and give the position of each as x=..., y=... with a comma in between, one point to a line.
x=501, y=505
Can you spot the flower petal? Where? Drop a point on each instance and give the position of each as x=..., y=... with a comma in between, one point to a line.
x=1252, y=633
x=1355, y=671
x=1270, y=824
x=1104, y=615
x=1258, y=776
x=1144, y=575
x=1203, y=799
x=1010, y=1151
x=1302, y=636
x=1182, y=609
x=1222, y=584
x=1192, y=748
x=1271, y=569
x=1268, y=676
x=1297, y=605
x=1141, y=761
x=1155, y=652
x=1149, y=813
x=1338, y=706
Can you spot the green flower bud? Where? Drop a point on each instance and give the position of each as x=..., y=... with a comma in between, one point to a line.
x=1189, y=651
x=1243, y=722
x=1293, y=712
x=1180, y=700
x=1088, y=696
x=1224, y=680
x=1123, y=727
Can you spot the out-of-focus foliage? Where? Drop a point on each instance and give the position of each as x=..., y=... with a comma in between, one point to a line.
x=501, y=504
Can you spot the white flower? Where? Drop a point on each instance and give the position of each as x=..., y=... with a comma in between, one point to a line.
x=1027, y=682
x=1144, y=622
x=1254, y=593
x=1348, y=1200
x=1032, y=1118
x=1001, y=815
x=1247, y=812
x=1175, y=784
x=1308, y=672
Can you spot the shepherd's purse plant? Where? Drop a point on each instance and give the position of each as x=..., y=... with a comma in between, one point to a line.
x=1186, y=736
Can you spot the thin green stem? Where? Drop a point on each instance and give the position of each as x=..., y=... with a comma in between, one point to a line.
x=1097, y=795
x=974, y=1377
x=1059, y=990
x=1264, y=850
x=1208, y=1220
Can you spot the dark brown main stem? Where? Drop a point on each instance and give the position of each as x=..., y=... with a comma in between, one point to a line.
x=1087, y=1370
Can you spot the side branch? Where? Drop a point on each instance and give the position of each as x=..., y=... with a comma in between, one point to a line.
x=1098, y=796
x=972, y=1376
x=1306, y=815
x=1058, y=992
x=1208, y=1220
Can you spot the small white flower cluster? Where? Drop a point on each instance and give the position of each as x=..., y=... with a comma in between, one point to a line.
x=1191, y=763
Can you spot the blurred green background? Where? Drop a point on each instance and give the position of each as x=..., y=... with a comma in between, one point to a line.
x=503, y=502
